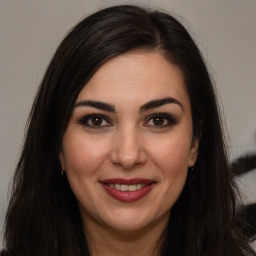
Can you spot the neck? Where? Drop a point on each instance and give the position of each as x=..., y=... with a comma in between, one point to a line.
x=109, y=242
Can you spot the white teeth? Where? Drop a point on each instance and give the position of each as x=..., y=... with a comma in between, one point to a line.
x=132, y=187
x=124, y=187
x=138, y=186
x=117, y=186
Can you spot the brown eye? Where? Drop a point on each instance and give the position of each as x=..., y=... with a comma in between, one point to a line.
x=158, y=120
x=95, y=121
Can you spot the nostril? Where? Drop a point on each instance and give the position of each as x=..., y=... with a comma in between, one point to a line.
x=128, y=150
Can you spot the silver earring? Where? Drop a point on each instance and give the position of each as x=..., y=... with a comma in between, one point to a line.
x=62, y=172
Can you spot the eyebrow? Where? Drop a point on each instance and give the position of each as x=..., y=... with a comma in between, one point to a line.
x=111, y=108
x=96, y=104
x=160, y=102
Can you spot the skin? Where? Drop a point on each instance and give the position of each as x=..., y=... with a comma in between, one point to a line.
x=129, y=143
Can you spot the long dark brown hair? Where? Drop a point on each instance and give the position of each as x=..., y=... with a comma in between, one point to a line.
x=43, y=217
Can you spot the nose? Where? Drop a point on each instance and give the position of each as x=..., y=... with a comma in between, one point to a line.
x=128, y=149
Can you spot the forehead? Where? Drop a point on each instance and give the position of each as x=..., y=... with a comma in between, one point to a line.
x=136, y=77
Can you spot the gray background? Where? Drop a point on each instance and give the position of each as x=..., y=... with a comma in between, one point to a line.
x=225, y=31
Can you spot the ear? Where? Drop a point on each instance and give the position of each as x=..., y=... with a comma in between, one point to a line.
x=61, y=159
x=193, y=152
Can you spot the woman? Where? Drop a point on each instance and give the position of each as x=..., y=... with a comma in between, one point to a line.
x=124, y=150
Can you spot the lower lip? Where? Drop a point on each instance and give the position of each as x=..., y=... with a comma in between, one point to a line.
x=128, y=196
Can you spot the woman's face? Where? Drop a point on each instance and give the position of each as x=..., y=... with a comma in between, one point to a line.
x=129, y=143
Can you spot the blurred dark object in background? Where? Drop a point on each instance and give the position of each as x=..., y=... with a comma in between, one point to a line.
x=244, y=164
x=249, y=216
x=240, y=167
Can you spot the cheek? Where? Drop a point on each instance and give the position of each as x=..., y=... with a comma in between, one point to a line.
x=171, y=159
x=171, y=156
x=82, y=155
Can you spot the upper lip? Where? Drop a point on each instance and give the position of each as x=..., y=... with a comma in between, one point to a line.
x=127, y=181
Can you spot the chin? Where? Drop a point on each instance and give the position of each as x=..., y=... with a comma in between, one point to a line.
x=130, y=221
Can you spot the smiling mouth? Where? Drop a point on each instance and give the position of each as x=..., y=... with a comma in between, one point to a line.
x=124, y=187
x=128, y=190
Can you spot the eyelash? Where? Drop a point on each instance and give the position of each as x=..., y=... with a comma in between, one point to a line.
x=168, y=120
x=86, y=119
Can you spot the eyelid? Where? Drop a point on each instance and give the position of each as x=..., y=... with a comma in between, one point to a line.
x=170, y=119
x=84, y=120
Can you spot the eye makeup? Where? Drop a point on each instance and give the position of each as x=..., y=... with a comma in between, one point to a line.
x=95, y=121
x=160, y=120
x=155, y=120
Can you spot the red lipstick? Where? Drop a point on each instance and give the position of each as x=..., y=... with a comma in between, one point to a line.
x=127, y=190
